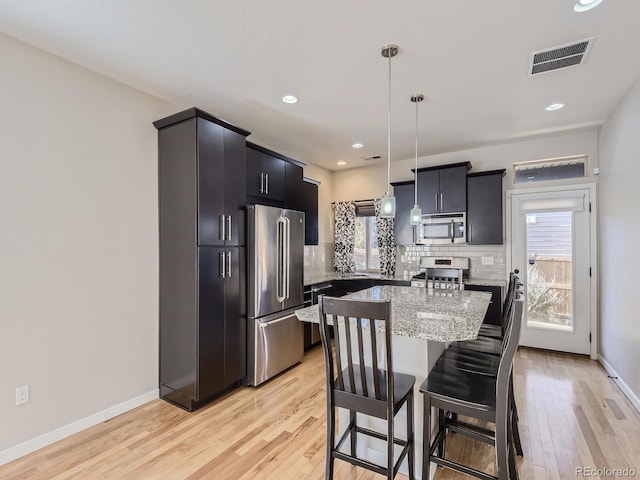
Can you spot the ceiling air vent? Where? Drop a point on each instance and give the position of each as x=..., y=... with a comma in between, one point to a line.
x=372, y=157
x=568, y=55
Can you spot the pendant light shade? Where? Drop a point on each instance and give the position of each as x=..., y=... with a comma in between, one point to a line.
x=388, y=202
x=416, y=211
x=388, y=206
x=416, y=215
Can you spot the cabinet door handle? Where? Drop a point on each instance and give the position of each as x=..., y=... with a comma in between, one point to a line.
x=221, y=227
x=223, y=272
x=229, y=227
x=266, y=183
x=441, y=203
x=470, y=234
x=261, y=182
x=229, y=264
x=437, y=209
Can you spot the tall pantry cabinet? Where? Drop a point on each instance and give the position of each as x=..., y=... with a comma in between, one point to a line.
x=202, y=191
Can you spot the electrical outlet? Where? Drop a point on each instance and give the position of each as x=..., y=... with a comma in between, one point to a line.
x=22, y=395
x=487, y=260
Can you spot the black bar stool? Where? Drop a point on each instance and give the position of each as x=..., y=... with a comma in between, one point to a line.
x=467, y=359
x=357, y=383
x=497, y=331
x=484, y=397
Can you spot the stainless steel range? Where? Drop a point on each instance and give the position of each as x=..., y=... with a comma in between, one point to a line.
x=434, y=267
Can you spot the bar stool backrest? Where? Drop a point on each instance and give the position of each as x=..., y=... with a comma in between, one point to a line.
x=512, y=339
x=355, y=380
x=444, y=278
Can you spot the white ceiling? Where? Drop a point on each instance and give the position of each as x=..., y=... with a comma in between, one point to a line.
x=236, y=59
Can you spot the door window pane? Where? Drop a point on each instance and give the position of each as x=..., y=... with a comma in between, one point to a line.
x=550, y=270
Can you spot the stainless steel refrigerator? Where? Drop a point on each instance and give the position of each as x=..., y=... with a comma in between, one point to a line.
x=275, y=267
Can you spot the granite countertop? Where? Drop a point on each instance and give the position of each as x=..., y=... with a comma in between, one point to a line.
x=442, y=316
x=315, y=278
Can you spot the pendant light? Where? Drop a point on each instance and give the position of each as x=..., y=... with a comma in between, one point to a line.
x=416, y=212
x=388, y=202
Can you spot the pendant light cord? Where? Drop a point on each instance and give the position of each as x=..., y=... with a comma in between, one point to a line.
x=389, y=130
x=415, y=180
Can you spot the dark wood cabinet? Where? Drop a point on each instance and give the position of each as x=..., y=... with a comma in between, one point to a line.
x=311, y=294
x=344, y=287
x=453, y=189
x=302, y=195
x=443, y=189
x=265, y=174
x=202, y=193
x=484, y=208
x=218, y=157
x=494, y=312
x=405, y=197
x=429, y=190
x=221, y=334
x=309, y=206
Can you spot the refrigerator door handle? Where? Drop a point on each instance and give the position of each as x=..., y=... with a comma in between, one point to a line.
x=287, y=257
x=281, y=254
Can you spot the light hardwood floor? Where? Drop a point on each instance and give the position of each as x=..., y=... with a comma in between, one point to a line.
x=571, y=415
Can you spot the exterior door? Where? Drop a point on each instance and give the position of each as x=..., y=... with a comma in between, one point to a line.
x=552, y=247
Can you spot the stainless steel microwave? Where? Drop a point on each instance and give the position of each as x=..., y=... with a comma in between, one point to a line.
x=442, y=229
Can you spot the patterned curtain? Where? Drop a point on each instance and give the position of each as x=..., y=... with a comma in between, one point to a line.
x=386, y=242
x=345, y=232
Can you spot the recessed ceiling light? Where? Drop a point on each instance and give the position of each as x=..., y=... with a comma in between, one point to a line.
x=554, y=106
x=358, y=145
x=584, y=5
x=289, y=99
x=342, y=162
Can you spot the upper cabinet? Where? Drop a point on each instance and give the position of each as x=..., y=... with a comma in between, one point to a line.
x=484, y=208
x=404, y=193
x=215, y=151
x=302, y=195
x=265, y=174
x=443, y=189
x=275, y=180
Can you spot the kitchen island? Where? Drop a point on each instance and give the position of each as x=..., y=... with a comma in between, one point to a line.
x=423, y=321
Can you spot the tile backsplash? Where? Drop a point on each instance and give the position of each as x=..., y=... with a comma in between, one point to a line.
x=318, y=258
x=408, y=259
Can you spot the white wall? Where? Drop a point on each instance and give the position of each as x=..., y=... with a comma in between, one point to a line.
x=370, y=182
x=78, y=242
x=619, y=198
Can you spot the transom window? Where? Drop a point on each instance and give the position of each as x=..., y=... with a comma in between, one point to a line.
x=551, y=169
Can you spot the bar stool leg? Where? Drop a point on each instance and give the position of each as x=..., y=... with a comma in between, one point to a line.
x=331, y=438
x=410, y=438
x=442, y=428
x=353, y=434
x=426, y=436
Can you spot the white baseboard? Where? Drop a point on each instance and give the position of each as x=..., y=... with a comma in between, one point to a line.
x=65, y=431
x=633, y=398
